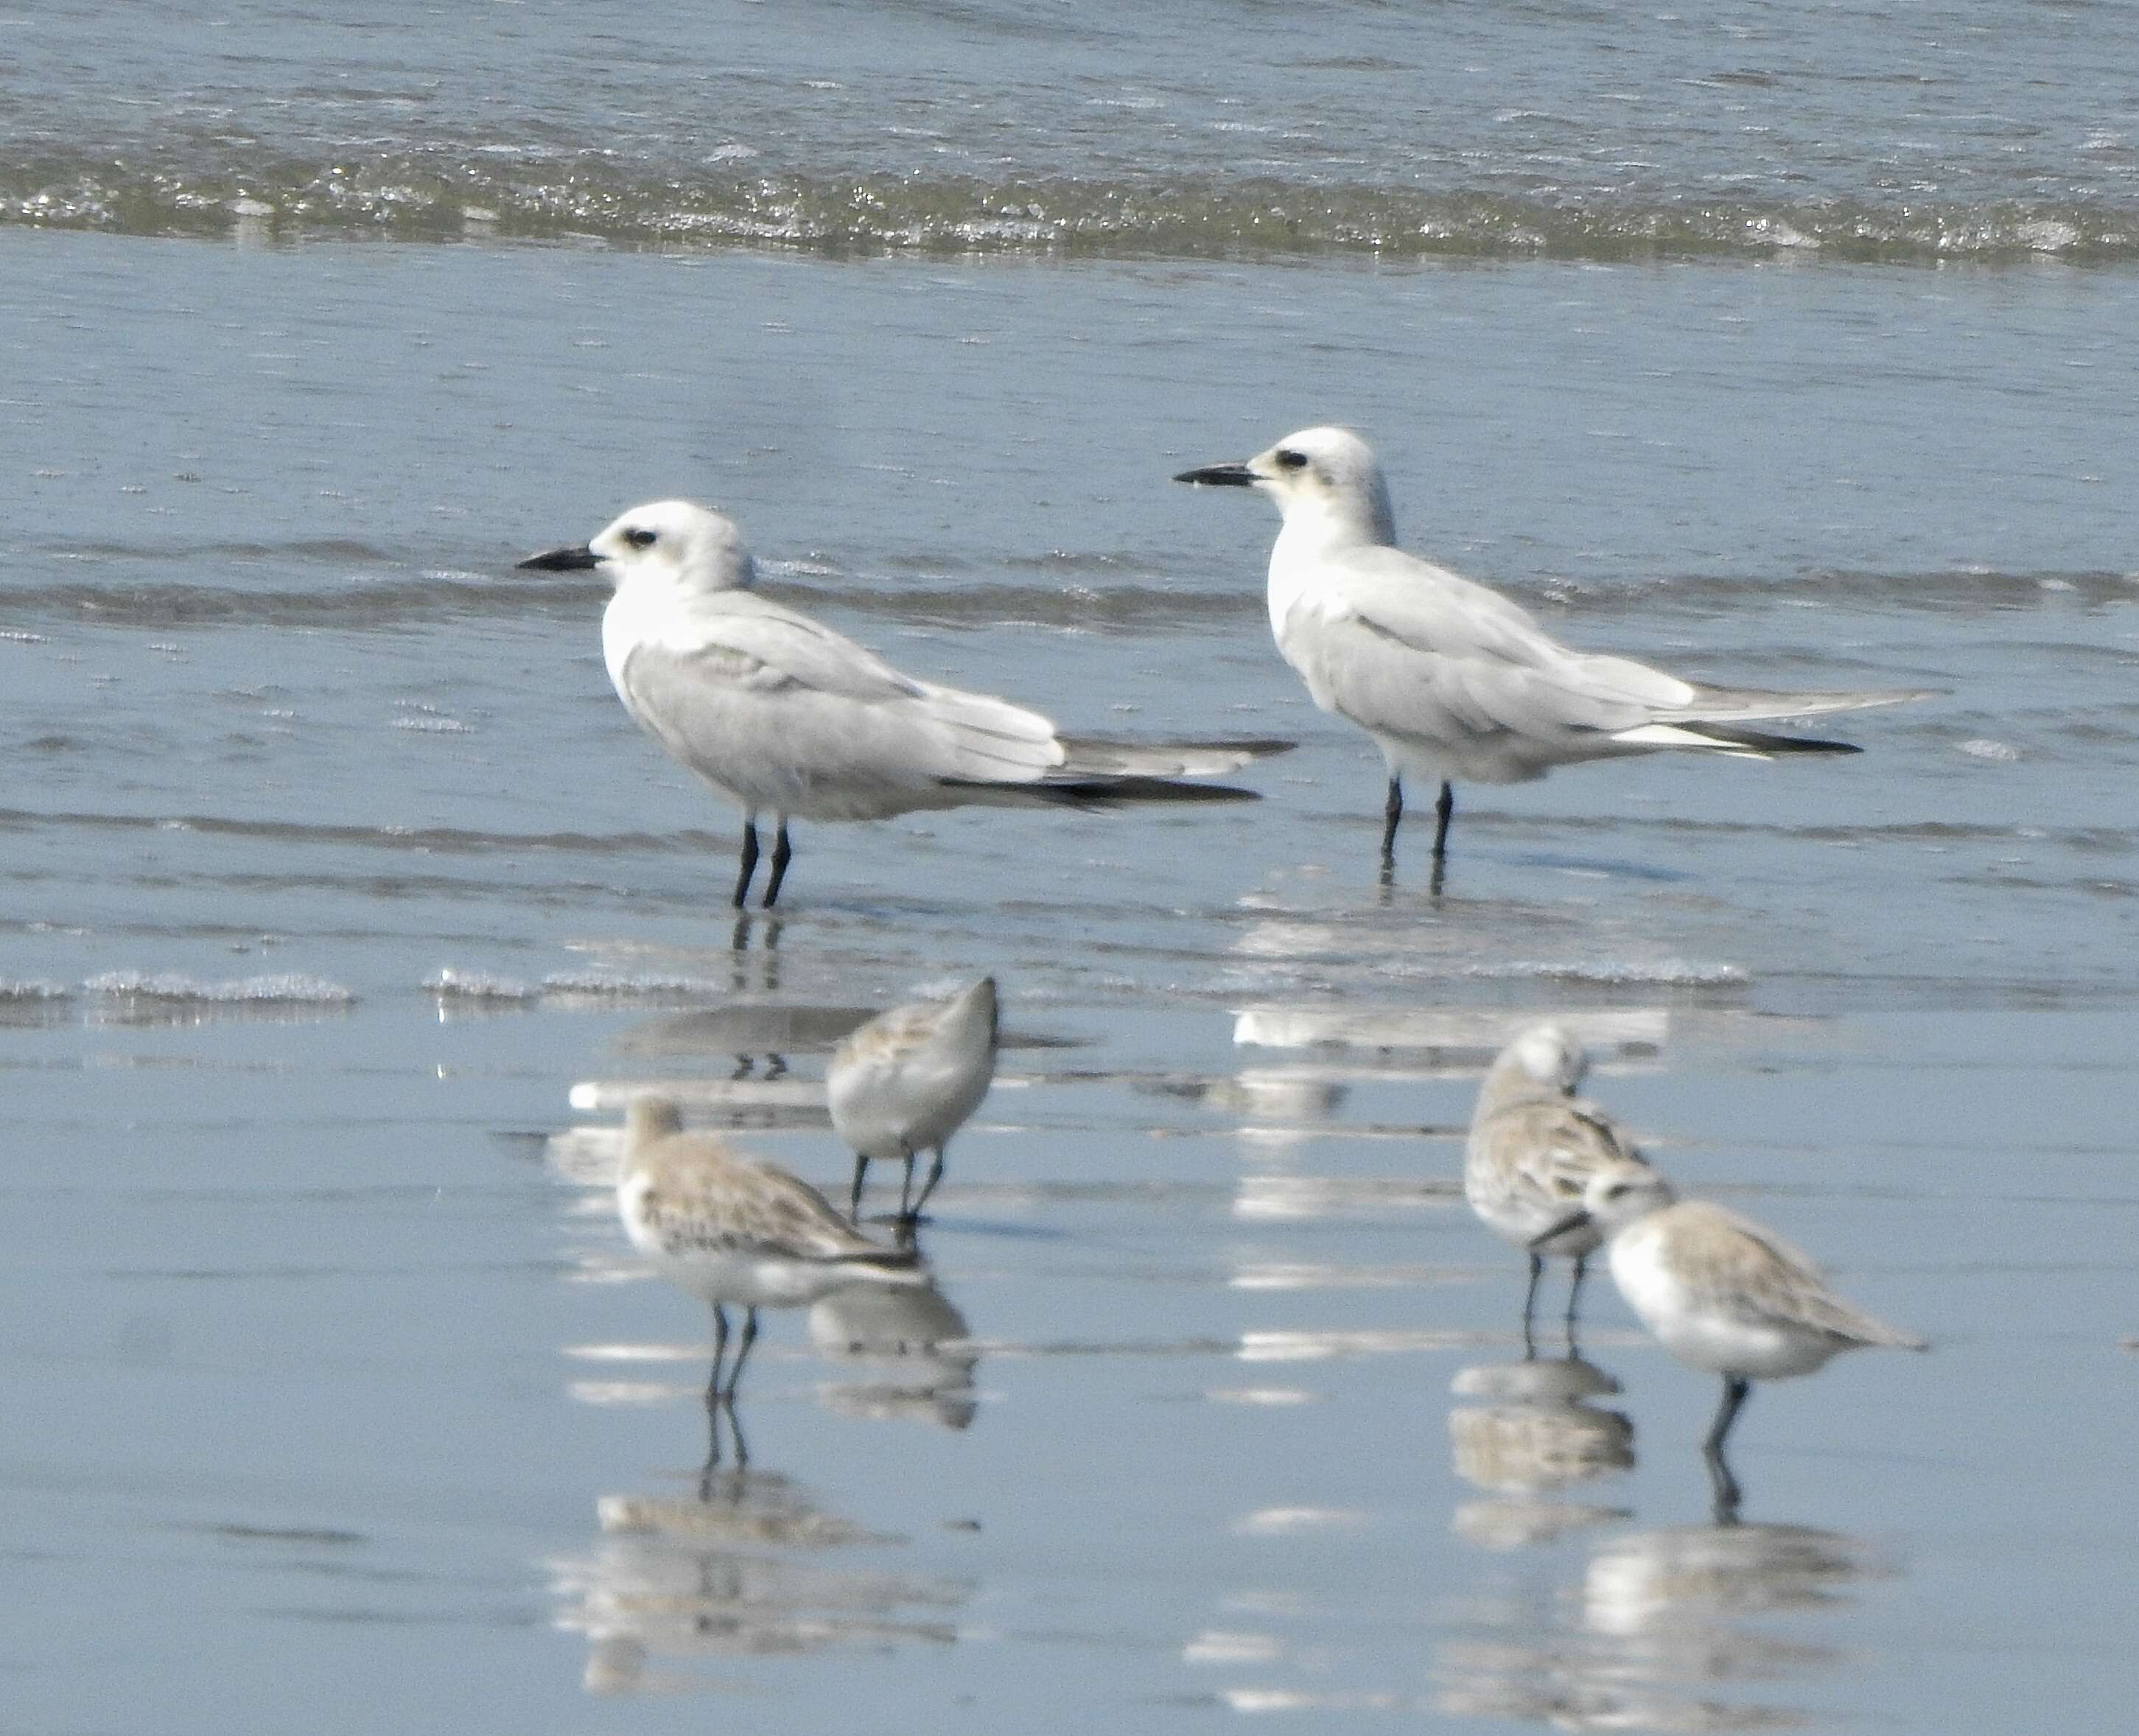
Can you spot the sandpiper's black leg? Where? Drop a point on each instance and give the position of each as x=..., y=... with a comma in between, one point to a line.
x=906, y=1189
x=1574, y=1296
x=783, y=853
x=748, y=868
x=1529, y=1305
x=714, y=1406
x=928, y=1188
x=1735, y=1387
x=1392, y=815
x=742, y=1351
x=716, y=1409
x=855, y=1201
x=1444, y=809
x=720, y=1350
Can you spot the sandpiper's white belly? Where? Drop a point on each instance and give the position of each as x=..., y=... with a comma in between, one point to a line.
x=1705, y=1330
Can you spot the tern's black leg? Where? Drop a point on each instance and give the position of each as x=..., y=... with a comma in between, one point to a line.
x=1735, y=1387
x=783, y=853
x=742, y=1351
x=1392, y=815
x=928, y=1188
x=748, y=866
x=1530, y=1304
x=855, y=1201
x=1444, y=809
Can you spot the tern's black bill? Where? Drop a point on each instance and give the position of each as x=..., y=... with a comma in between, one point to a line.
x=1219, y=476
x=1573, y=1220
x=562, y=560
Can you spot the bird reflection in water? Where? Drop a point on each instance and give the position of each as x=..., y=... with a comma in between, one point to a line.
x=1661, y=1619
x=913, y=1348
x=1540, y=1434
x=749, y=1569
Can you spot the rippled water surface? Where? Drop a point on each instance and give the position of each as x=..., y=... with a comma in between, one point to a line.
x=341, y=905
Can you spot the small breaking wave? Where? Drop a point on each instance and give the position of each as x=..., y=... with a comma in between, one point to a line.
x=478, y=986
x=284, y=989
x=449, y=194
x=31, y=993
x=597, y=985
x=1617, y=973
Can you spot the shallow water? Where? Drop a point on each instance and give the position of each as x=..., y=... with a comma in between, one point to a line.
x=342, y=904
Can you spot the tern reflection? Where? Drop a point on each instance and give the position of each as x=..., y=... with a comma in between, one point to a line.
x=751, y=1568
x=1540, y=1434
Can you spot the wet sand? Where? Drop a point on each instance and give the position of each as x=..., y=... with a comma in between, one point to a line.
x=334, y=1378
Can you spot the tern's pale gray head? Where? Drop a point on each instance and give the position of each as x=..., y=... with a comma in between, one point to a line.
x=676, y=542
x=1325, y=480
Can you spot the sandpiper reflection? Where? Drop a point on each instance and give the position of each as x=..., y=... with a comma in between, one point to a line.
x=1539, y=1435
x=750, y=1568
x=908, y=1354
x=1665, y=1628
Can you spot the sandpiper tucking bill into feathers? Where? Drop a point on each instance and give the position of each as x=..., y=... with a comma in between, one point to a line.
x=1533, y=1146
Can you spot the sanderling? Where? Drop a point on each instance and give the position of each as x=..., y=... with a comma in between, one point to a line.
x=730, y=1228
x=1453, y=681
x=1720, y=1293
x=904, y=1082
x=783, y=716
x=1533, y=1146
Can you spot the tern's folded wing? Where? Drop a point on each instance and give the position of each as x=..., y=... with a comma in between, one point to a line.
x=759, y=685
x=1355, y=664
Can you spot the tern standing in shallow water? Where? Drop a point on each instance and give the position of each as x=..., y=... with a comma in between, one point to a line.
x=1453, y=681
x=732, y=1230
x=905, y=1081
x=1720, y=1293
x=784, y=716
x=1534, y=1147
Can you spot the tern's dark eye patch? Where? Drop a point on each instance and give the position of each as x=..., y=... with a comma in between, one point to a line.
x=638, y=539
x=1288, y=459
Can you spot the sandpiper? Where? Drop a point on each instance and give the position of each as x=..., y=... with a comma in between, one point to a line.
x=1533, y=1148
x=1721, y=1293
x=733, y=1229
x=904, y=1082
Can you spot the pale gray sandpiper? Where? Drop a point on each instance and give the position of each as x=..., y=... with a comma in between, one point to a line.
x=786, y=717
x=1721, y=1293
x=733, y=1229
x=1533, y=1146
x=906, y=1081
